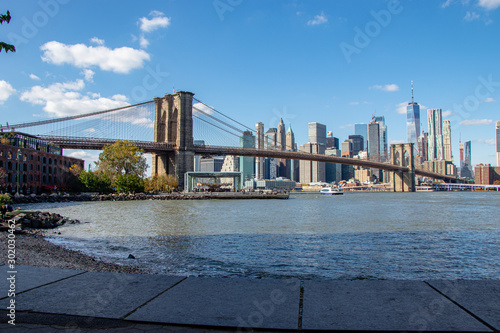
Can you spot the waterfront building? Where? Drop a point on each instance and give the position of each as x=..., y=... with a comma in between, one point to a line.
x=259, y=144
x=279, y=184
x=32, y=165
x=373, y=141
x=486, y=174
x=435, y=150
x=362, y=129
x=317, y=133
x=332, y=142
x=448, y=154
x=247, y=163
x=497, y=132
x=312, y=171
x=210, y=164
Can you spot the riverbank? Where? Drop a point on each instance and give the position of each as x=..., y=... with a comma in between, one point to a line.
x=32, y=249
x=24, y=199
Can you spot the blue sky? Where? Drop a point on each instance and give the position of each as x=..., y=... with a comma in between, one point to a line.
x=334, y=62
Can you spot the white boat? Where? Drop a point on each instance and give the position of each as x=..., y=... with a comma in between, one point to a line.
x=331, y=191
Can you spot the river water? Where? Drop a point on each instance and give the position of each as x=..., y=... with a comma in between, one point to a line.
x=440, y=235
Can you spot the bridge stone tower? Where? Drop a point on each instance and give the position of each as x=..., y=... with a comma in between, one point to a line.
x=174, y=124
x=402, y=155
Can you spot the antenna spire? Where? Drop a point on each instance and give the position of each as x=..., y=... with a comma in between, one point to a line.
x=411, y=91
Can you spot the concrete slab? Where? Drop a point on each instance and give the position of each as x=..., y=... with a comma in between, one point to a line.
x=480, y=297
x=382, y=305
x=28, y=277
x=227, y=302
x=107, y=295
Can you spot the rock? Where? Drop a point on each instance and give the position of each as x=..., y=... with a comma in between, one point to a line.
x=130, y=256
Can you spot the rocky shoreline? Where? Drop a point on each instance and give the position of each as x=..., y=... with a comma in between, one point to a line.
x=24, y=199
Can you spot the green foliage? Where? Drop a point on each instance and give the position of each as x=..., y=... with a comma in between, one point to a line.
x=7, y=47
x=128, y=183
x=5, y=199
x=94, y=181
x=122, y=158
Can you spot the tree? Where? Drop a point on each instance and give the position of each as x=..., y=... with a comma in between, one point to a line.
x=122, y=158
x=94, y=181
x=164, y=183
x=129, y=183
x=7, y=47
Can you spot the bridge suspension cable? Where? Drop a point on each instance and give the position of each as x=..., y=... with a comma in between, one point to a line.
x=55, y=120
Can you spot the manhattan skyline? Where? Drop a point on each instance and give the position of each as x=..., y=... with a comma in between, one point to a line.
x=332, y=63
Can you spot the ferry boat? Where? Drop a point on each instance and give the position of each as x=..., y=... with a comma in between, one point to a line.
x=331, y=191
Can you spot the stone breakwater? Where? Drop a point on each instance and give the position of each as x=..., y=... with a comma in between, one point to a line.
x=36, y=220
x=24, y=199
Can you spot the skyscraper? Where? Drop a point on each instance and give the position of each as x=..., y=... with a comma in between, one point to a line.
x=373, y=141
x=357, y=143
x=317, y=133
x=466, y=169
x=362, y=129
x=498, y=142
x=448, y=154
x=435, y=137
x=247, y=164
x=383, y=137
x=412, y=120
x=259, y=144
x=281, y=135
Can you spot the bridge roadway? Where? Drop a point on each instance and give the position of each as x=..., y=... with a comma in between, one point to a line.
x=162, y=147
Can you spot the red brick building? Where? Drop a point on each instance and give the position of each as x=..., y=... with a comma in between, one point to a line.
x=33, y=165
x=486, y=174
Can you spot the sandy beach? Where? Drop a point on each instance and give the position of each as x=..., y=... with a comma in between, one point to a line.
x=32, y=249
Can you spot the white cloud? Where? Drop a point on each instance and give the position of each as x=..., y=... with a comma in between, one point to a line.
x=401, y=107
x=318, y=19
x=474, y=122
x=489, y=100
x=358, y=103
x=89, y=130
x=65, y=99
x=346, y=126
x=143, y=42
x=88, y=74
x=446, y=4
x=34, y=77
x=489, y=4
x=158, y=21
x=97, y=41
x=490, y=142
x=354, y=103
x=120, y=60
x=471, y=16
x=395, y=142
x=387, y=87
x=138, y=115
x=200, y=108
x=6, y=91
x=447, y=113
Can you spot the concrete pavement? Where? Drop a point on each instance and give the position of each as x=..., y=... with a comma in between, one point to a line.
x=58, y=299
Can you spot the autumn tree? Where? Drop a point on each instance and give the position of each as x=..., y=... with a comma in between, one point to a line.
x=163, y=183
x=7, y=47
x=123, y=163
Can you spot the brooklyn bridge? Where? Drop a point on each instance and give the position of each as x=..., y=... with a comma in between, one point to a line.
x=170, y=127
